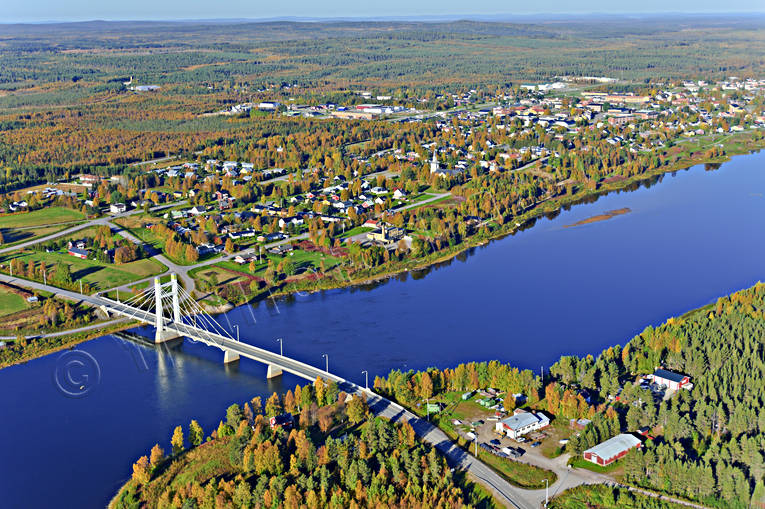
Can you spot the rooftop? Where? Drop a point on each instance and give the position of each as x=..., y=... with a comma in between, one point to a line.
x=614, y=446
x=669, y=375
x=520, y=420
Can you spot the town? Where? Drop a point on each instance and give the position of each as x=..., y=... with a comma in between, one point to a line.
x=241, y=230
x=271, y=173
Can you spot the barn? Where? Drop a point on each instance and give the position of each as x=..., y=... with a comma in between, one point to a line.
x=673, y=381
x=612, y=449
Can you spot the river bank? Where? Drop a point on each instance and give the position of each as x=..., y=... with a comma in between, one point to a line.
x=525, y=300
x=549, y=208
x=545, y=208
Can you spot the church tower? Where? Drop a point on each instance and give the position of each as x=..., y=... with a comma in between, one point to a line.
x=434, y=166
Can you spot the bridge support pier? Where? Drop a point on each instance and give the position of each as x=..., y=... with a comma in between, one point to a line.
x=229, y=356
x=273, y=371
x=165, y=335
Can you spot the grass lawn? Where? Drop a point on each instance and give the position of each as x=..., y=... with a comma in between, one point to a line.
x=559, y=429
x=13, y=236
x=518, y=473
x=356, y=231
x=46, y=216
x=614, y=468
x=221, y=275
x=98, y=275
x=303, y=261
x=137, y=226
x=11, y=303
x=420, y=197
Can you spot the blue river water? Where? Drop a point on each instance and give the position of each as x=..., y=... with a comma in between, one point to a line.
x=525, y=299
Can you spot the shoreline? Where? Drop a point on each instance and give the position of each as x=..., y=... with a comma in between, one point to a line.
x=526, y=220
x=533, y=215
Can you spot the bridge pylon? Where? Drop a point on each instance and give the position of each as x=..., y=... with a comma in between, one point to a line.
x=162, y=334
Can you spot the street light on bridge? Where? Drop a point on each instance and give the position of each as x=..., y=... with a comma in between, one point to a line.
x=366, y=379
x=326, y=357
x=281, y=346
x=237, y=332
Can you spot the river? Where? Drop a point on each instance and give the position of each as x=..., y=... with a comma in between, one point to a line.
x=526, y=299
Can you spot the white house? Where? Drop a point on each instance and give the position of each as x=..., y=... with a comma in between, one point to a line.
x=521, y=423
x=117, y=208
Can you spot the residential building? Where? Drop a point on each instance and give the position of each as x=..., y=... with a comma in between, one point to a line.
x=79, y=253
x=281, y=421
x=117, y=208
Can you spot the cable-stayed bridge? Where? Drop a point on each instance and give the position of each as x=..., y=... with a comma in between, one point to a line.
x=175, y=314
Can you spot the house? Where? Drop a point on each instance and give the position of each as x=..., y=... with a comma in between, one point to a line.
x=205, y=249
x=284, y=221
x=198, y=210
x=117, y=208
x=79, y=253
x=271, y=237
x=398, y=194
x=224, y=200
x=579, y=424
x=280, y=250
x=281, y=421
x=521, y=423
x=612, y=449
x=673, y=381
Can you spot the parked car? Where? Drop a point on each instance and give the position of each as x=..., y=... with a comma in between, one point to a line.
x=520, y=439
x=536, y=444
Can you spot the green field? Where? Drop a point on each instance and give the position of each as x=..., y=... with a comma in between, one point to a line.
x=100, y=276
x=46, y=216
x=13, y=236
x=10, y=303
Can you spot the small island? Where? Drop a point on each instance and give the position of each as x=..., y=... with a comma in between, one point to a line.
x=601, y=217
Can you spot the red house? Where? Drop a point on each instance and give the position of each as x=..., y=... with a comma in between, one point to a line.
x=79, y=253
x=612, y=449
x=281, y=421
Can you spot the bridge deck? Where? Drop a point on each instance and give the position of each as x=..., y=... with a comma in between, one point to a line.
x=456, y=456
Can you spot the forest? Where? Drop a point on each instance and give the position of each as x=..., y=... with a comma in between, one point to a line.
x=63, y=103
x=708, y=442
x=336, y=455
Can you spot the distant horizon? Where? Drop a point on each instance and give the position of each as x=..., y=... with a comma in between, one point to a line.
x=482, y=17
x=50, y=11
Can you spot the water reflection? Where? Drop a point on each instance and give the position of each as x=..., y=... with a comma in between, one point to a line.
x=524, y=299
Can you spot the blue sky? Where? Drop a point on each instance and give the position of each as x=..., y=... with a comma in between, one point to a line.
x=75, y=10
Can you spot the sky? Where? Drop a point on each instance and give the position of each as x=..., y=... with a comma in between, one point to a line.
x=78, y=10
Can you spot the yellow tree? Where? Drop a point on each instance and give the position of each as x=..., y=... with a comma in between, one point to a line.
x=156, y=456
x=196, y=435
x=141, y=472
x=177, y=440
